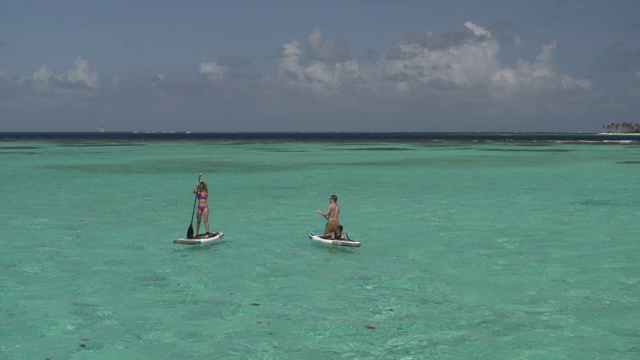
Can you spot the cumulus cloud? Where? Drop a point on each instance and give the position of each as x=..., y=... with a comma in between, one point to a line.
x=455, y=71
x=213, y=70
x=466, y=59
x=316, y=76
x=289, y=68
x=537, y=76
x=83, y=74
x=327, y=49
x=448, y=70
x=80, y=78
x=42, y=78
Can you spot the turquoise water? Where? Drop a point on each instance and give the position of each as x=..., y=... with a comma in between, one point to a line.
x=469, y=251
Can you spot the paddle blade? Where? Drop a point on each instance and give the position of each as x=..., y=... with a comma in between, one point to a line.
x=190, y=232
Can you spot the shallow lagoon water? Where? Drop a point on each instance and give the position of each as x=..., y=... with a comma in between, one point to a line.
x=469, y=251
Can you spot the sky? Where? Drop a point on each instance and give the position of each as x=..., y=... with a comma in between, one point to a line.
x=302, y=65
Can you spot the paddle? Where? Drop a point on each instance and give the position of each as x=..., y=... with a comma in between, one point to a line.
x=190, y=229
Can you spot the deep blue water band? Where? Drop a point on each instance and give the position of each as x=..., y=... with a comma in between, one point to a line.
x=319, y=136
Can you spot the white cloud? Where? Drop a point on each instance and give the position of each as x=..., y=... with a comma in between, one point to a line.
x=213, y=71
x=463, y=63
x=326, y=49
x=464, y=60
x=42, y=78
x=289, y=68
x=436, y=75
x=82, y=74
x=79, y=79
x=317, y=76
x=453, y=72
x=537, y=76
x=477, y=30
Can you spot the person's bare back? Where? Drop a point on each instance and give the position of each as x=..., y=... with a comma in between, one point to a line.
x=334, y=212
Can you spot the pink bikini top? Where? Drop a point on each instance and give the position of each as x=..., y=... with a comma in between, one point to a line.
x=203, y=196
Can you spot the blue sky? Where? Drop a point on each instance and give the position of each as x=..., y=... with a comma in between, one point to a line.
x=141, y=65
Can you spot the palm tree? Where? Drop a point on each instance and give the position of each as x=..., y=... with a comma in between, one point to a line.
x=627, y=127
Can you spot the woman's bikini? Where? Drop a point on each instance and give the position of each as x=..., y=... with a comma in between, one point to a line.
x=202, y=196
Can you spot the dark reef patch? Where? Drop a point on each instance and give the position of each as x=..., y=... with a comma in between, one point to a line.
x=599, y=202
x=101, y=144
x=280, y=150
x=527, y=150
x=21, y=152
x=19, y=148
x=376, y=149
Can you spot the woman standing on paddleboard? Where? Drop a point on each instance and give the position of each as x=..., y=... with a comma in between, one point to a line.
x=202, y=191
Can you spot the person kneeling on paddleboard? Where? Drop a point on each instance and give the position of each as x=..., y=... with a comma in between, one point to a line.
x=202, y=192
x=333, y=229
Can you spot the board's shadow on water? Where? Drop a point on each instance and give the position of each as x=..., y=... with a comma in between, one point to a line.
x=331, y=249
x=212, y=246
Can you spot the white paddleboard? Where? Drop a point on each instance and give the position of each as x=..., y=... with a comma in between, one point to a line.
x=317, y=236
x=200, y=239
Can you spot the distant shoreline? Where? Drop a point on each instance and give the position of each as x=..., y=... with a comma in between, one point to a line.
x=325, y=132
x=615, y=133
x=434, y=137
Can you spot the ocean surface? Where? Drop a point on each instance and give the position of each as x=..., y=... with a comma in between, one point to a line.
x=474, y=246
